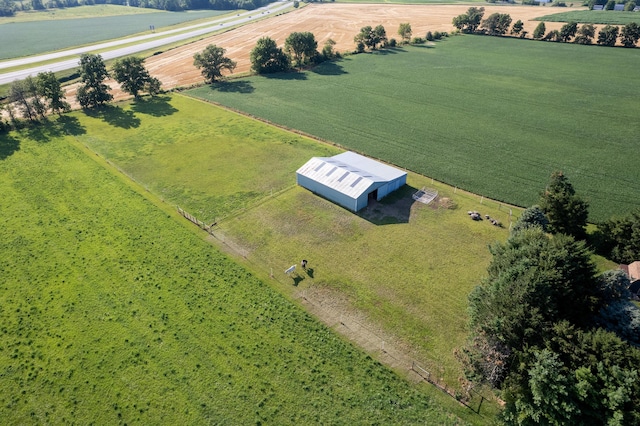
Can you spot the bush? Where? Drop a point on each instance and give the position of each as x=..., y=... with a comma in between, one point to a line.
x=392, y=42
x=418, y=40
x=437, y=35
x=429, y=36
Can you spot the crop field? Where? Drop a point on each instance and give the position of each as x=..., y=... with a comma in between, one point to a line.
x=30, y=38
x=611, y=17
x=407, y=266
x=494, y=116
x=113, y=312
x=79, y=12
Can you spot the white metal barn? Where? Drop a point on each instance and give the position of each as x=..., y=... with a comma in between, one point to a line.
x=350, y=179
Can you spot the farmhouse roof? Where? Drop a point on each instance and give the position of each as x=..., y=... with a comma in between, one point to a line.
x=634, y=270
x=349, y=173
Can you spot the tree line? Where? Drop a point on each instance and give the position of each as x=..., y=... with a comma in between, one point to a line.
x=558, y=340
x=499, y=24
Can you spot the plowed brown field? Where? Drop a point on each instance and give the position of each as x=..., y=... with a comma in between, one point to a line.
x=339, y=22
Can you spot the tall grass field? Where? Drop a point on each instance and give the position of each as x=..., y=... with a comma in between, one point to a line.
x=494, y=116
x=114, y=311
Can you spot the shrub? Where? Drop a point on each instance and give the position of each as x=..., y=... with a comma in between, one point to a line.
x=429, y=36
x=392, y=42
x=417, y=40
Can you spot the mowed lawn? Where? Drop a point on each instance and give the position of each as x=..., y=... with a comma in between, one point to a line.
x=407, y=266
x=114, y=311
x=492, y=115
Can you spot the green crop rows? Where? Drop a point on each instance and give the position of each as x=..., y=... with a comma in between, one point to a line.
x=494, y=116
x=612, y=17
x=113, y=312
x=30, y=38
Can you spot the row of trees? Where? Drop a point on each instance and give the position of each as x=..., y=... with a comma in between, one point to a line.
x=300, y=49
x=35, y=97
x=498, y=24
x=559, y=340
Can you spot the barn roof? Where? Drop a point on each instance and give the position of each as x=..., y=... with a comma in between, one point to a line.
x=349, y=173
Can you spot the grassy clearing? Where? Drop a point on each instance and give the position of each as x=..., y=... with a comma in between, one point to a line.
x=30, y=38
x=494, y=116
x=408, y=267
x=611, y=17
x=112, y=312
x=210, y=161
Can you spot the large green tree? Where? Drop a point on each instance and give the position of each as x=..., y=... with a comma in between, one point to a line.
x=531, y=217
x=608, y=35
x=404, y=31
x=567, y=213
x=539, y=31
x=266, y=57
x=533, y=334
x=585, y=34
x=93, y=91
x=134, y=77
x=517, y=28
x=619, y=238
x=630, y=34
x=371, y=37
x=568, y=31
x=7, y=8
x=27, y=96
x=496, y=24
x=211, y=61
x=51, y=90
x=470, y=21
x=302, y=46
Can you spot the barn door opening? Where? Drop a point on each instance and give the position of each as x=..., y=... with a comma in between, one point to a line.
x=373, y=195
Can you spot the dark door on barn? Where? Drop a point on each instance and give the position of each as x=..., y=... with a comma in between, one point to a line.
x=373, y=195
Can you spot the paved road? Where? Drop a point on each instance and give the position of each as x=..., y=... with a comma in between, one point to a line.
x=165, y=38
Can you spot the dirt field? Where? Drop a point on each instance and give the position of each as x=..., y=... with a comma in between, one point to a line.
x=339, y=22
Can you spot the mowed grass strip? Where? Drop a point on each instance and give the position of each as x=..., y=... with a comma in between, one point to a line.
x=210, y=161
x=611, y=17
x=112, y=312
x=494, y=116
x=30, y=38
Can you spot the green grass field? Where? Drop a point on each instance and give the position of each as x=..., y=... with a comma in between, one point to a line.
x=408, y=267
x=494, y=116
x=208, y=160
x=30, y=38
x=611, y=17
x=115, y=311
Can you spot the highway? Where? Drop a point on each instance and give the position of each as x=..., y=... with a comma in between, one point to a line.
x=162, y=38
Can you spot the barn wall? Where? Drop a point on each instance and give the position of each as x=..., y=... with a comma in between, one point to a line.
x=389, y=187
x=326, y=192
